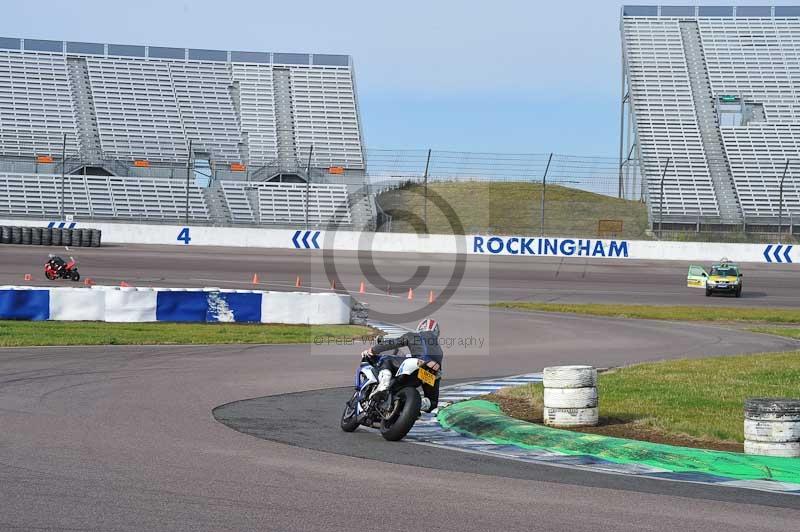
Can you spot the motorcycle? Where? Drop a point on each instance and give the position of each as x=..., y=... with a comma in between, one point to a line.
x=56, y=268
x=395, y=412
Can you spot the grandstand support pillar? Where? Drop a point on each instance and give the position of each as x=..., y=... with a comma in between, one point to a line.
x=780, y=203
x=188, y=174
x=623, y=99
x=63, y=171
x=661, y=198
x=308, y=180
x=425, y=190
x=544, y=189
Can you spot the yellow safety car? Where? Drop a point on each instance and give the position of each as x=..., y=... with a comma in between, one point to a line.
x=725, y=277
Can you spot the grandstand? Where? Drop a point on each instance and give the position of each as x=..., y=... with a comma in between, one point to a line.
x=714, y=90
x=122, y=119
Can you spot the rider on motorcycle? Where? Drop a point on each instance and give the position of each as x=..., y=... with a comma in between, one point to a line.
x=56, y=262
x=423, y=344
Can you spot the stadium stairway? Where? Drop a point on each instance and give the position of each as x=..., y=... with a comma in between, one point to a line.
x=729, y=208
x=85, y=117
x=215, y=202
x=362, y=210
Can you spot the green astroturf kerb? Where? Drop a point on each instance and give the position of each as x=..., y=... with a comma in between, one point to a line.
x=485, y=420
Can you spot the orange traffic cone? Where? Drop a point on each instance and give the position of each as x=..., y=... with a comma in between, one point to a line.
x=255, y=278
x=362, y=288
x=431, y=299
x=124, y=284
x=28, y=277
x=297, y=282
x=410, y=294
x=88, y=282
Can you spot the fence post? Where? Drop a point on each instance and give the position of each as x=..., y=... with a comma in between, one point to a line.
x=780, y=201
x=661, y=199
x=544, y=188
x=308, y=180
x=188, y=174
x=425, y=192
x=63, y=168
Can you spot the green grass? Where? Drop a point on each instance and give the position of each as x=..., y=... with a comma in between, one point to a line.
x=512, y=208
x=656, y=312
x=41, y=333
x=789, y=332
x=701, y=398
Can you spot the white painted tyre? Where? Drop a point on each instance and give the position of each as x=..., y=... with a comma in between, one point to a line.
x=786, y=449
x=569, y=377
x=570, y=397
x=772, y=409
x=571, y=417
x=772, y=431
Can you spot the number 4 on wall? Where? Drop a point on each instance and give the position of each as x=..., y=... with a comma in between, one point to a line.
x=183, y=236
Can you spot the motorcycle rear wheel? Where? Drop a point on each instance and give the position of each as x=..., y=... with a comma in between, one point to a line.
x=349, y=421
x=396, y=427
x=50, y=275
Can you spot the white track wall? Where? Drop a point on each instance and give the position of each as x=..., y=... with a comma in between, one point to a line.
x=521, y=246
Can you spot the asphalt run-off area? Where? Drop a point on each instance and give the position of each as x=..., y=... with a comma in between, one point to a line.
x=128, y=438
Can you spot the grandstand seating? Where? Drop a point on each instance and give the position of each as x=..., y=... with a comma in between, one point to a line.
x=150, y=102
x=35, y=104
x=681, y=62
x=279, y=202
x=164, y=200
x=239, y=207
x=38, y=195
x=137, y=113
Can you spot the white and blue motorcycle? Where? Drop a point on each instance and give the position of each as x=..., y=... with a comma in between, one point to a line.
x=394, y=412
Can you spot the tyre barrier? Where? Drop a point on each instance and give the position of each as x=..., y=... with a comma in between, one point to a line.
x=570, y=396
x=569, y=377
x=571, y=417
x=66, y=236
x=772, y=427
x=50, y=236
x=199, y=305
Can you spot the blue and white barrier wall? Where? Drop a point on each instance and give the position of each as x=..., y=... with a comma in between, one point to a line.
x=204, y=305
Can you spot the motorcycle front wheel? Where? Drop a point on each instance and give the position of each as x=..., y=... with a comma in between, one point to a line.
x=349, y=421
x=50, y=275
x=75, y=276
x=405, y=412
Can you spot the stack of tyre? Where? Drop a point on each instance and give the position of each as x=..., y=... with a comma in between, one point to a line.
x=50, y=236
x=772, y=427
x=570, y=396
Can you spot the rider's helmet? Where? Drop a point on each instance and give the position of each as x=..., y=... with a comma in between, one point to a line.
x=429, y=324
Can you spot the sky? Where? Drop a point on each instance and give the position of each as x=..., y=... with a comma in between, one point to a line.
x=492, y=76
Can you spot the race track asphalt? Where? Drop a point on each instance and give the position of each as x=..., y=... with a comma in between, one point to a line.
x=123, y=438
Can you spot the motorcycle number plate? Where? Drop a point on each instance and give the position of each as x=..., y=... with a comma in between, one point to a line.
x=426, y=376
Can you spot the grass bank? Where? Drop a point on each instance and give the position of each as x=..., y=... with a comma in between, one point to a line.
x=657, y=312
x=694, y=403
x=42, y=333
x=511, y=208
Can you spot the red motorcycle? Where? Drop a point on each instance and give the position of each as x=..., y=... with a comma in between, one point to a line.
x=58, y=268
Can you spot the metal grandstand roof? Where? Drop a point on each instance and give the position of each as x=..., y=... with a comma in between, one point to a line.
x=161, y=52
x=711, y=11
